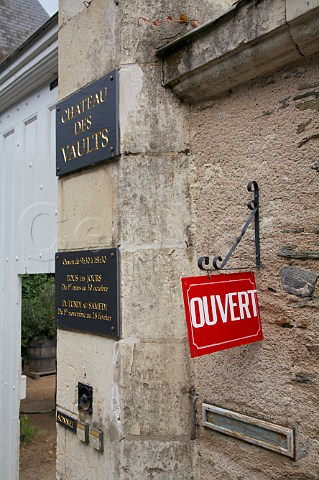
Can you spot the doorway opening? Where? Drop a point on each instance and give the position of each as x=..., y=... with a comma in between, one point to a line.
x=38, y=356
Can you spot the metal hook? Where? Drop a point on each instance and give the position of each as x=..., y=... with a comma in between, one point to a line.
x=253, y=205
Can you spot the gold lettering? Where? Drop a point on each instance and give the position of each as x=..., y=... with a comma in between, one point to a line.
x=102, y=100
x=73, y=152
x=89, y=102
x=66, y=421
x=63, y=120
x=89, y=122
x=88, y=145
x=67, y=262
x=85, y=104
x=83, y=148
x=82, y=125
x=72, y=278
x=96, y=135
x=77, y=128
x=94, y=278
x=96, y=100
x=65, y=152
x=85, y=145
x=104, y=135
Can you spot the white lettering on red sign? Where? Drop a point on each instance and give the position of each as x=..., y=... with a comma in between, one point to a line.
x=221, y=312
x=209, y=311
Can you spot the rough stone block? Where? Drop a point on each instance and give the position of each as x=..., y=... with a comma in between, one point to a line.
x=152, y=301
x=258, y=379
x=297, y=8
x=81, y=358
x=291, y=251
x=87, y=208
x=76, y=460
x=304, y=28
x=86, y=45
x=155, y=399
x=158, y=459
x=151, y=120
x=230, y=51
x=139, y=39
x=143, y=220
x=297, y=281
x=67, y=10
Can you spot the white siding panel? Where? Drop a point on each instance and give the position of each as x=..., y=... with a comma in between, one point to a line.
x=28, y=192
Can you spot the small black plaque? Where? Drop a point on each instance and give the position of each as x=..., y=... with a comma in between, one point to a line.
x=86, y=290
x=66, y=421
x=87, y=125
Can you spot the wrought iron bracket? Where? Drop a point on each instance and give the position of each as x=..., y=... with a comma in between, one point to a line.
x=218, y=263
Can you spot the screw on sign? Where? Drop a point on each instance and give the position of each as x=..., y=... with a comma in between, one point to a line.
x=221, y=312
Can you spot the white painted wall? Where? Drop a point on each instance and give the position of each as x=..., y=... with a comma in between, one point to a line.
x=27, y=233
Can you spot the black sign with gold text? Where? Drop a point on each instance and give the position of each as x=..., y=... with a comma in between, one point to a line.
x=86, y=291
x=66, y=421
x=87, y=125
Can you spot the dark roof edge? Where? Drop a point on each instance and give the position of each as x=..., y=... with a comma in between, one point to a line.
x=38, y=33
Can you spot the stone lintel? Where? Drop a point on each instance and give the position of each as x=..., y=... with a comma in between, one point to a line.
x=250, y=39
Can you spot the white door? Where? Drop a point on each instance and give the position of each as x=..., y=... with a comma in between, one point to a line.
x=28, y=191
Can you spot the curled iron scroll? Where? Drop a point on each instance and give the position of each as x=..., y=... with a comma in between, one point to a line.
x=218, y=263
x=204, y=263
x=253, y=187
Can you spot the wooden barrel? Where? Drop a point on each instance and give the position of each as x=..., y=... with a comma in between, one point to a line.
x=41, y=355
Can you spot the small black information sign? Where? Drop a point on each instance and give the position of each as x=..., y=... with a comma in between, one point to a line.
x=66, y=421
x=86, y=290
x=87, y=125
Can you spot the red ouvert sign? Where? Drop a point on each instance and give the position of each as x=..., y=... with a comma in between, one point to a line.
x=221, y=312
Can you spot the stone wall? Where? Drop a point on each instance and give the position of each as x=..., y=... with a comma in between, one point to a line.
x=265, y=131
x=178, y=191
x=139, y=202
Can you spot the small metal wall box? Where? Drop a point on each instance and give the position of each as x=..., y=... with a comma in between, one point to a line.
x=85, y=398
x=82, y=432
x=96, y=438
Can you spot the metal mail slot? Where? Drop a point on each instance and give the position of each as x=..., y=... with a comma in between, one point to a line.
x=252, y=430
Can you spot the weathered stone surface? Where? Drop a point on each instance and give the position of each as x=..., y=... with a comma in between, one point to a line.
x=87, y=205
x=290, y=251
x=297, y=281
x=313, y=348
x=304, y=377
x=315, y=165
x=231, y=143
x=249, y=40
x=140, y=315
x=303, y=24
x=150, y=119
x=84, y=462
x=83, y=358
x=153, y=378
x=139, y=40
x=80, y=365
x=148, y=222
x=84, y=40
x=297, y=8
x=67, y=10
x=158, y=459
x=142, y=381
